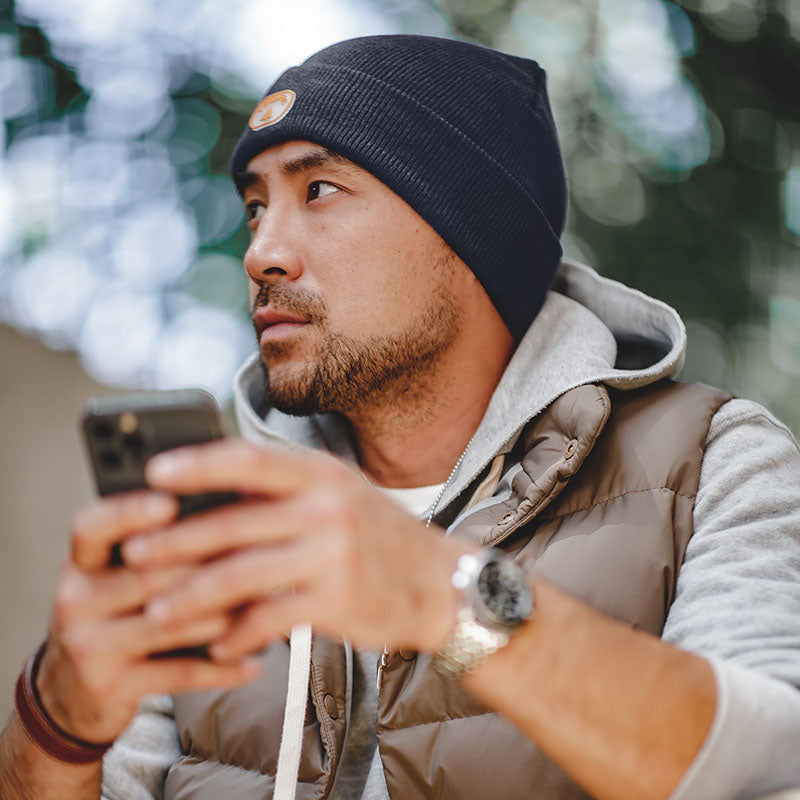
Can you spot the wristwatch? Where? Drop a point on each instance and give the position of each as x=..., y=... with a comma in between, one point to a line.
x=496, y=599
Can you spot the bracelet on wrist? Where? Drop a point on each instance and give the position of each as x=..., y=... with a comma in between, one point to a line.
x=40, y=727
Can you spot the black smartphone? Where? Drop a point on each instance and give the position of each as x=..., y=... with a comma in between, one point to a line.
x=121, y=432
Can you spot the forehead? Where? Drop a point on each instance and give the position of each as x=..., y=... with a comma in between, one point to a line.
x=297, y=155
x=292, y=158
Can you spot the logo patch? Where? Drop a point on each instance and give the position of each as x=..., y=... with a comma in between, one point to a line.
x=273, y=108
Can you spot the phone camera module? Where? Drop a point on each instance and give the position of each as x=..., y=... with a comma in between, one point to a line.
x=133, y=444
x=111, y=459
x=103, y=430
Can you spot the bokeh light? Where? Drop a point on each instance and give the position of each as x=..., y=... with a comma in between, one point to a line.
x=121, y=235
x=116, y=236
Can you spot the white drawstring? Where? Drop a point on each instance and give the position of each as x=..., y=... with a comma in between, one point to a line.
x=295, y=713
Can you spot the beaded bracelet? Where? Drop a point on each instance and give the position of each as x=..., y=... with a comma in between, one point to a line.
x=39, y=726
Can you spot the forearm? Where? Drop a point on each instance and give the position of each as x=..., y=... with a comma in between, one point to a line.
x=620, y=711
x=27, y=773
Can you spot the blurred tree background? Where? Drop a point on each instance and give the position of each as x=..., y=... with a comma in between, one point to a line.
x=120, y=234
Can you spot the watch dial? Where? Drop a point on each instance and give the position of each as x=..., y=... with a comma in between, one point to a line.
x=504, y=591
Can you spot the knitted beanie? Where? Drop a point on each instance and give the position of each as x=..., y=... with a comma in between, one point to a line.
x=462, y=133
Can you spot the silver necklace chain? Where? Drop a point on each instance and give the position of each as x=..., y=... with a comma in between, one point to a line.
x=448, y=481
x=385, y=654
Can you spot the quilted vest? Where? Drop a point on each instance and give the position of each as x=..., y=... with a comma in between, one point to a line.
x=602, y=489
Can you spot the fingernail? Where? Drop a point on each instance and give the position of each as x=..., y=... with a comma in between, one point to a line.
x=219, y=651
x=159, y=609
x=162, y=467
x=135, y=550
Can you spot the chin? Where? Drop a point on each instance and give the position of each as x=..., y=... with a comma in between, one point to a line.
x=289, y=389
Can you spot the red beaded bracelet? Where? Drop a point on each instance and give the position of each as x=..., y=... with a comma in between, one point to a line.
x=41, y=729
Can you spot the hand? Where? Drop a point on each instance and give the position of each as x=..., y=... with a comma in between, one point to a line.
x=96, y=666
x=313, y=542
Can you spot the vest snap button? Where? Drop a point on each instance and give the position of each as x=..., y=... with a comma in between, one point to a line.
x=330, y=706
x=507, y=517
x=572, y=446
x=407, y=655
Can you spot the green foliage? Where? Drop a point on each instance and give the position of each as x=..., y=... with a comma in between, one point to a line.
x=708, y=221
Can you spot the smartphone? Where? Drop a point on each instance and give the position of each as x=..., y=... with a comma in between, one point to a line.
x=121, y=432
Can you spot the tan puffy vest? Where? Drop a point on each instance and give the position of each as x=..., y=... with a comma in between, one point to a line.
x=602, y=507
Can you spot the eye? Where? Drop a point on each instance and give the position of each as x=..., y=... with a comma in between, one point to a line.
x=254, y=210
x=317, y=189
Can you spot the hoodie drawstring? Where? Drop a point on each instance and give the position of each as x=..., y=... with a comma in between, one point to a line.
x=295, y=713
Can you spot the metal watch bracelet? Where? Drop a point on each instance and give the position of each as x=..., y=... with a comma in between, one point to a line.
x=469, y=646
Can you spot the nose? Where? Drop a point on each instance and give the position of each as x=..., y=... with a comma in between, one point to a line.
x=272, y=254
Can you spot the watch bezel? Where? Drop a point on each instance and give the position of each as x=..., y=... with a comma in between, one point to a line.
x=481, y=605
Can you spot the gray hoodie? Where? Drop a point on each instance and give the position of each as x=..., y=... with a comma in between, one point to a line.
x=738, y=593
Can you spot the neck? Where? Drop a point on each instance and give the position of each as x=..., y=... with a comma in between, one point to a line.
x=417, y=439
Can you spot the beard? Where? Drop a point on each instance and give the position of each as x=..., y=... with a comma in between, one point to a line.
x=343, y=374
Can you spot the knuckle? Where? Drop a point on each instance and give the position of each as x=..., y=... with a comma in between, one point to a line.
x=63, y=605
x=80, y=536
x=85, y=519
x=78, y=646
x=69, y=596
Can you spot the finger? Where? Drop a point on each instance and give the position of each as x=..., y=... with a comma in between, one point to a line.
x=92, y=596
x=201, y=536
x=239, y=578
x=138, y=635
x=232, y=464
x=172, y=675
x=263, y=622
x=107, y=521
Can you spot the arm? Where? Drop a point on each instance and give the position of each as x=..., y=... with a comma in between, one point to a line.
x=737, y=602
x=621, y=711
x=96, y=666
x=133, y=769
x=26, y=772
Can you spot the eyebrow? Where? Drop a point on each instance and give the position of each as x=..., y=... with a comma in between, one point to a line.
x=295, y=166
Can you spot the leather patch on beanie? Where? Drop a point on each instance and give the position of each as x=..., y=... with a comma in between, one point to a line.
x=273, y=108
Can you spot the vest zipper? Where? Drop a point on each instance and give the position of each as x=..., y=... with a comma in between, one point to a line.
x=382, y=666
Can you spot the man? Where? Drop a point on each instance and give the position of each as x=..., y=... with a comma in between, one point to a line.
x=638, y=638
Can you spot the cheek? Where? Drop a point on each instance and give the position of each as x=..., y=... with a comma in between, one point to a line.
x=252, y=291
x=379, y=269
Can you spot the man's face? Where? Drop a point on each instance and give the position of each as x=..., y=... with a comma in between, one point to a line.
x=351, y=288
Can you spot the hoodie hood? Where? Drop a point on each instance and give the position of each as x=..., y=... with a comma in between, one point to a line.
x=591, y=329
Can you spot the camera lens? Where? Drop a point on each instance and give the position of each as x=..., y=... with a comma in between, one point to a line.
x=133, y=443
x=103, y=430
x=111, y=459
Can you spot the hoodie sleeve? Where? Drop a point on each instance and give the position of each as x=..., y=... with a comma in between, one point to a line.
x=737, y=603
x=136, y=767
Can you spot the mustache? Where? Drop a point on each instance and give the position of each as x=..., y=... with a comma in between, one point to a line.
x=294, y=300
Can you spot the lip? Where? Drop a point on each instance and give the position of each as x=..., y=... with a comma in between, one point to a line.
x=270, y=323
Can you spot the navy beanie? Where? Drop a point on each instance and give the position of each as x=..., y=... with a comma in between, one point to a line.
x=462, y=133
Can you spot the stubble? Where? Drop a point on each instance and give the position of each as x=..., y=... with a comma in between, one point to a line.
x=347, y=376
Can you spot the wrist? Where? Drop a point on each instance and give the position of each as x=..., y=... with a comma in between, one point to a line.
x=42, y=729
x=495, y=599
x=444, y=598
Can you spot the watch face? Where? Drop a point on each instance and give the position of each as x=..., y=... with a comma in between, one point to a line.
x=505, y=592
